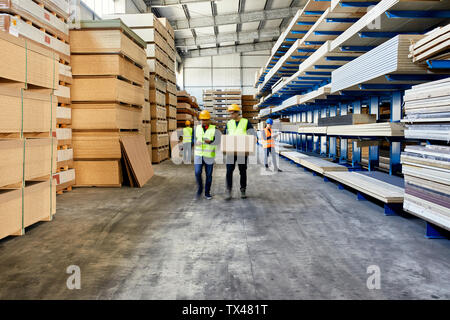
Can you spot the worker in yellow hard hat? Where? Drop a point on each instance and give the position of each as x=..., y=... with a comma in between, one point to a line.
x=237, y=126
x=187, y=142
x=205, y=152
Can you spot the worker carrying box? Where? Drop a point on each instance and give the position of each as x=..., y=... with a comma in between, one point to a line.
x=237, y=144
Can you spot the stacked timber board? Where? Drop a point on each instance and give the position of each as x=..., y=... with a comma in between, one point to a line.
x=427, y=109
x=348, y=119
x=432, y=48
x=388, y=58
x=427, y=183
x=108, y=97
x=388, y=129
x=29, y=74
x=248, y=109
x=208, y=102
x=45, y=23
x=376, y=188
x=187, y=109
x=221, y=100
x=160, y=51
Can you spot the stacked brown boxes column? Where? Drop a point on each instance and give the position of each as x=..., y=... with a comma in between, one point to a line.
x=46, y=24
x=160, y=59
x=108, y=97
x=29, y=76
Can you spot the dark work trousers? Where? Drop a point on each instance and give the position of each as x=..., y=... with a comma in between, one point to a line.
x=187, y=153
x=267, y=152
x=199, y=163
x=242, y=162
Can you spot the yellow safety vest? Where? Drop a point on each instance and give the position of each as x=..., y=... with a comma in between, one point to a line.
x=239, y=130
x=187, y=135
x=204, y=149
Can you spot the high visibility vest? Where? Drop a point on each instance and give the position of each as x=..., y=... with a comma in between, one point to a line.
x=269, y=142
x=204, y=149
x=187, y=135
x=239, y=130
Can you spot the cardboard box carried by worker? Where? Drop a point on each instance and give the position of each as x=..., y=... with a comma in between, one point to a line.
x=238, y=145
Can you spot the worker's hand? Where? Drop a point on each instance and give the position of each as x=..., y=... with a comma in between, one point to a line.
x=207, y=141
x=198, y=142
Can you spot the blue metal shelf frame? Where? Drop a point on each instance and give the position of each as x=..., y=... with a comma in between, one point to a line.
x=326, y=145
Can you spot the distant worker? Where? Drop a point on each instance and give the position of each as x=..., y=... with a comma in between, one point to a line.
x=204, y=154
x=235, y=127
x=268, y=142
x=187, y=143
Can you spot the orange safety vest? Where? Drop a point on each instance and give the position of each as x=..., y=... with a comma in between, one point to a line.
x=269, y=142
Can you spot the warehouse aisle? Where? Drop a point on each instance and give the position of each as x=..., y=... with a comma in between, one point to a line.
x=304, y=240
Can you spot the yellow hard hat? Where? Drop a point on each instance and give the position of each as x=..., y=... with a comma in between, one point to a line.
x=188, y=123
x=204, y=115
x=234, y=107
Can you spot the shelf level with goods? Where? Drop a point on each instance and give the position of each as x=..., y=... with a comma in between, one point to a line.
x=349, y=76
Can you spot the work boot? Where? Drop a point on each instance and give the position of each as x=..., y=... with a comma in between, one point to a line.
x=198, y=196
x=208, y=196
x=243, y=195
x=279, y=170
x=228, y=196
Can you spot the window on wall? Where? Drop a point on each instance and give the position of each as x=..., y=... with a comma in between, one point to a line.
x=100, y=7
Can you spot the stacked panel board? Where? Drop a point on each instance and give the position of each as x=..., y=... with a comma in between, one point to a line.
x=160, y=52
x=29, y=74
x=46, y=24
x=427, y=167
x=218, y=103
x=108, y=97
x=248, y=109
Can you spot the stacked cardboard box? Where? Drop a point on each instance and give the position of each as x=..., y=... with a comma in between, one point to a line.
x=45, y=23
x=160, y=52
x=29, y=77
x=108, y=97
x=248, y=111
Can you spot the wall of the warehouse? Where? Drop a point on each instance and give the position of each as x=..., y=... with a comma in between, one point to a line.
x=234, y=71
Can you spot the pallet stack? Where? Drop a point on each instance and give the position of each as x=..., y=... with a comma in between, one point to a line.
x=427, y=183
x=427, y=167
x=159, y=37
x=171, y=94
x=29, y=74
x=45, y=23
x=171, y=107
x=108, y=97
x=217, y=103
x=248, y=110
x=208, y=101
x=188, y=108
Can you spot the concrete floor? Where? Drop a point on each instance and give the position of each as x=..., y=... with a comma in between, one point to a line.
x=295, y=237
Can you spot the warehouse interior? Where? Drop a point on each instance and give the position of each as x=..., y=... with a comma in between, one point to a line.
x=113, y=113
